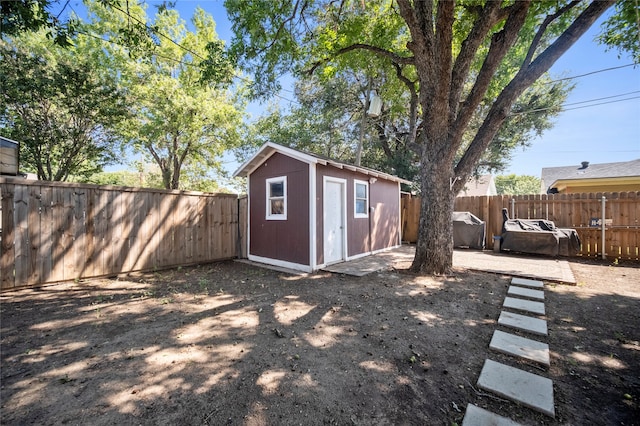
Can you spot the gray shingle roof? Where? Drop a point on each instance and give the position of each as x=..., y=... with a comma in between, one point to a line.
x=592, y=171
x=480, y=185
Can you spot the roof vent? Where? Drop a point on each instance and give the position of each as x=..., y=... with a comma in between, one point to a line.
x=585, y=164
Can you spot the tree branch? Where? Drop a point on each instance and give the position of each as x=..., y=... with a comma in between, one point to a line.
x=282, y=25
x=413, y=106
x=543, y=27
x=525, y=77
x=501, y=42
x=443, y=47
x=489, y=15
x=395, y=58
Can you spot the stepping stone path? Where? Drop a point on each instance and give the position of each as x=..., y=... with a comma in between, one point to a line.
x=526, y=292
x=531, y=390
x=476, y=416
x=524, y=305
x=512, y=344
x=523, y=322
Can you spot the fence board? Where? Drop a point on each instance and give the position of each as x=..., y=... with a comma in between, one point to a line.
x=21, y=217
x=45, y=261
x=7, y=255
x=55, y=232
x=92, y=252
x=119, y=239
x=34, y=234
x=243, y=206
x=166, y=229
x=58, y=236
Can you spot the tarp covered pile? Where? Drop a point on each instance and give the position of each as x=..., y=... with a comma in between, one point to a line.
x=468, y=230
x=538, y=236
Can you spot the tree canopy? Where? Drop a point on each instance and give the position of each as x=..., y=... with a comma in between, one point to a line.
x=517, y=185
x=62, y=112
x=180, y=112
x=179, y=122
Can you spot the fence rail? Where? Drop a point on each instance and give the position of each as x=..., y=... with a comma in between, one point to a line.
x=577, y=211
x=57, y=232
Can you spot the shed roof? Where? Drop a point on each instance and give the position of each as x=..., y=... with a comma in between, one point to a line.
x=8, y=143
x=269, y=148
x=551, y=175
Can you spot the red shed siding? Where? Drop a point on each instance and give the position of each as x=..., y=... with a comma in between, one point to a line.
x=286, y=240
x=383, y=195
x=385, y=220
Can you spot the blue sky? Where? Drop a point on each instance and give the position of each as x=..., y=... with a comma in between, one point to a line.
x=604, y=133
x=596, y=133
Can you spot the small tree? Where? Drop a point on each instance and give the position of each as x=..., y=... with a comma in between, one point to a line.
x=178, y=121
x=62, y=112
x=517, y=185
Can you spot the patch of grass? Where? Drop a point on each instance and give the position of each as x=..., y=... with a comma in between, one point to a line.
x=620, y=337
x=204, y=284
x=65, y=379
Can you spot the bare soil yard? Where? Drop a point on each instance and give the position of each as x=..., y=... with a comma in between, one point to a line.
x=233, y=344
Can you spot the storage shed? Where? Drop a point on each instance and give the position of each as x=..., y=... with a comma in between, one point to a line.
x=9, y=151
x=306, y=211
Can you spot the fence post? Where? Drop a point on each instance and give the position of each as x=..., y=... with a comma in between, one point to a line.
x=604, y=202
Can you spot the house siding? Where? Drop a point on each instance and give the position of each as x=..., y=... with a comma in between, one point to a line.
x=606, y=187
x=379, y=231
x=385, y=223
x=286, y=240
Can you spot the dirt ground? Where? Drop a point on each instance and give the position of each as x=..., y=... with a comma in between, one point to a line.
x=233, y=344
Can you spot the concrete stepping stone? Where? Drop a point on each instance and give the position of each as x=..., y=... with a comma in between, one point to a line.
x=476, y=416
x=523, y=322
x=526, y=292
x=527, y=283
x=522, y=347
x=524, y=305
x=528, y=389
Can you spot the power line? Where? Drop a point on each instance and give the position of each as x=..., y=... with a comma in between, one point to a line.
x=122, y=45
x=601, y=99
x=159, y=33
x=592, y=72
x=563, y=107
x=601, y=103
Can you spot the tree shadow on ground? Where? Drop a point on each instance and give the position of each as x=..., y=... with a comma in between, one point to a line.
x=228, y=343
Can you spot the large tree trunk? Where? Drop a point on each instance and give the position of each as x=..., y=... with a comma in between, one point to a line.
x=444, y=124
x=435, y=233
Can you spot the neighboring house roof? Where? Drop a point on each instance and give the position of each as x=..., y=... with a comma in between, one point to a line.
x=479, y=185
x=554, y=179
x=269, y=148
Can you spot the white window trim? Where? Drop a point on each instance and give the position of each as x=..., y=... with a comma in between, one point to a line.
x=355, y=198
x=268, y=215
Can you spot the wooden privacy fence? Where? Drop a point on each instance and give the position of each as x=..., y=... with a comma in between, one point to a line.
x=578, y=211
x=57, y=232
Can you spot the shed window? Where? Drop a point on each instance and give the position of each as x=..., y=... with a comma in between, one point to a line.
x=277, y=198
x=361, y=199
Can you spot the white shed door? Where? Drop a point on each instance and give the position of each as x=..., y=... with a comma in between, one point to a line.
x=334, y=230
